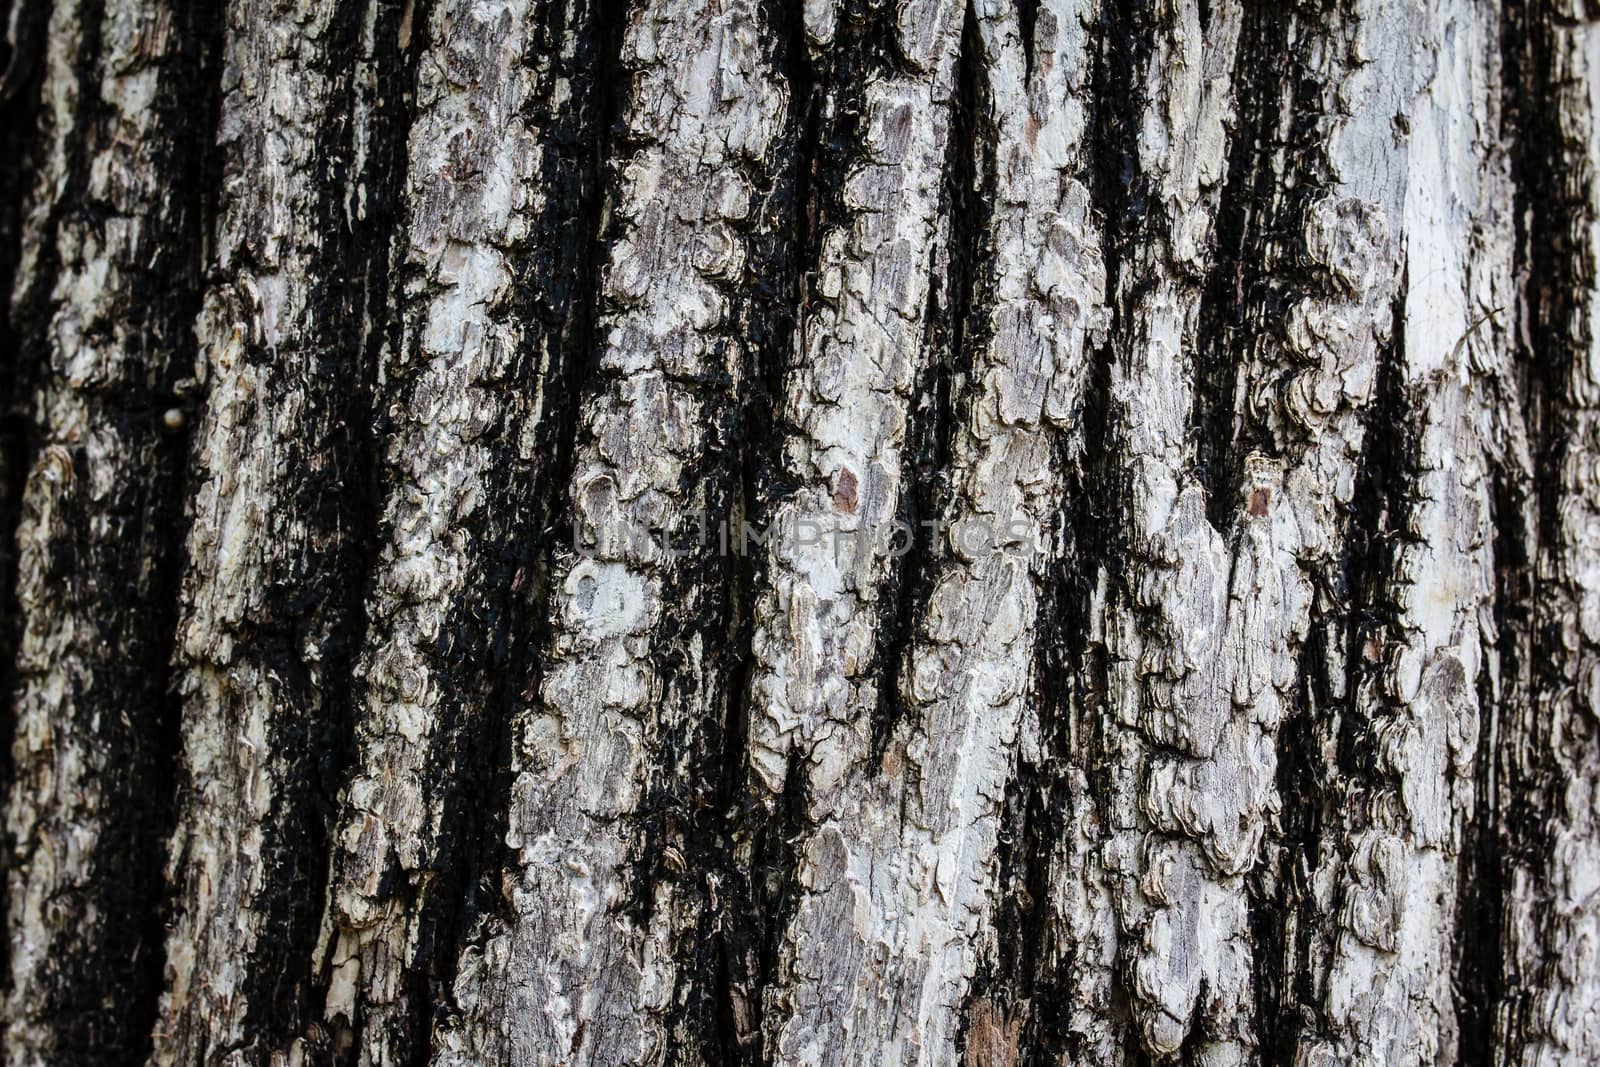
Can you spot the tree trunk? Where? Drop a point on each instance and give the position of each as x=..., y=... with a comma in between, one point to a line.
x=598, y=532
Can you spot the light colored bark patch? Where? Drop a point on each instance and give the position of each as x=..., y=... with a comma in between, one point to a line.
x=1389, y=989
x=848, y=396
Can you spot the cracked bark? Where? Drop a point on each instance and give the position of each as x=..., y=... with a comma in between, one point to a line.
x=392, y=391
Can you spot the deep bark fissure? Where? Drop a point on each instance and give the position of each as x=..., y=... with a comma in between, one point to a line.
x=19, y=141
x=1544, y=745
x=827, y=95
x=109, y=361
x=20, y=122
x=489, y=630
x=201, y=35
x=26, y=311
x=1255, y=231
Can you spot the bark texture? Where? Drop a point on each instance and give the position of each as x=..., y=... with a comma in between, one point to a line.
x=829, y=532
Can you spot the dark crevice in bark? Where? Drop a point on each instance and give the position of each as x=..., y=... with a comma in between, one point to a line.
x=791, y=247
x=1068, y=675
x=686, y=821
x=827, y=99
x=29, y=309
x=611, y=147
x=783, y=245
x=1554, y=265
x=20, y=143
x=1553, y=259
x=682, y=815
x=117, y=557
x=1097, y=525
x=1285, y=917
x=775, y=857
x=1000, y=987
x=1380, y=508
x=694, y=824
x=1116, y=185
x=1244, y=287
x=865, y=46
x=1281, y=900
x=20, y=49
x=1027, y=20
x=952, y=331
x=149, y=819
x=98, y=992
x=377, y=245
x=1487, y=854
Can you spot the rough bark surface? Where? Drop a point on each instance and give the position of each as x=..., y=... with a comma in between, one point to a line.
x=832, y=532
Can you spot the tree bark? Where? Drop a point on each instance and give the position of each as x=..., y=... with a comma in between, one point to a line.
x=599, y=532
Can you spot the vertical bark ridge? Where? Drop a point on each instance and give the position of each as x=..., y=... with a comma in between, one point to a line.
x=863, y=345
x=860, y=352
x=584, y=962
x=98, y=542
x=970, y=676
x=887, y=984
x=44, y=59
x=1217, y=618
x=499, y=206
x=1260, y=271
x=1550, y=1010
x=1390, y=875
x=834, y=54
x=1181, y=763
x=1324, y=261
x=1502, y=426
x=50, y=67
x=282, y=530
x=754, y=850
